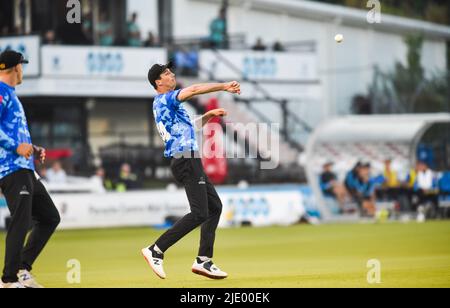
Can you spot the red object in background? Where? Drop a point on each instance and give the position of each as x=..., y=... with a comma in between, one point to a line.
x=58, y=154
x=214, y=162
x=216, y=169
x=212, y=104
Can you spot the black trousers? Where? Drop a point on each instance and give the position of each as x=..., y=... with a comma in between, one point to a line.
x=31, y=208
x=424, y=198
x=204, y=202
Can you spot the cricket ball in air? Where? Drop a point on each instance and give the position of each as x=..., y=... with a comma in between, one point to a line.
x=339, y=38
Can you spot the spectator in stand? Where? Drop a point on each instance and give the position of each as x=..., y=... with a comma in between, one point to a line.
x=50, y=38
x=151, y=40
x=105, y=31
x=42, y=171
x=127, y=179
x=100, y=179
x=57, y=175
x=87, y=27
x=259, y=45
x=218, y=30
x=134, y=34
x=331, y=186
x=278, y=47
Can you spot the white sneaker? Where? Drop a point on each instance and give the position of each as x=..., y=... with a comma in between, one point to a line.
x=26, y=279
x=208, y=269
x=13, y=285
x=155, y=260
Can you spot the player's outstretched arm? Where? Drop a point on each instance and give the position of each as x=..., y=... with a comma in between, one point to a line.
x=199, y=89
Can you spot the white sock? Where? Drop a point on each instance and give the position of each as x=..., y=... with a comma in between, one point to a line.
x=157, y=249
x=204, y=259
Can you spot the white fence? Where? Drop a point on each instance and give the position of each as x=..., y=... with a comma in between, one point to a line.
x=259, y=207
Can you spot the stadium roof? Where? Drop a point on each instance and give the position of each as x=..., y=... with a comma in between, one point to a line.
x=346, y=16
x=383, y=128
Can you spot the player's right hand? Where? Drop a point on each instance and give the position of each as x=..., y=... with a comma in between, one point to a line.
x=25, y=150
x=233, y=87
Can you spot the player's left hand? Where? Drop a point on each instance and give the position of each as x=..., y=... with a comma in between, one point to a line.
x=218, y=112
x=40, y=152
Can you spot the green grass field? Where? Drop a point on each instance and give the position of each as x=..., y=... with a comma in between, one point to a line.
x=411, y=255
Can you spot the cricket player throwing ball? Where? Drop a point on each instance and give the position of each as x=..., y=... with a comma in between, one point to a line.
x=178, y=133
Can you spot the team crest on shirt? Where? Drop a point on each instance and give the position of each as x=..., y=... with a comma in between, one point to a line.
x=1, y=99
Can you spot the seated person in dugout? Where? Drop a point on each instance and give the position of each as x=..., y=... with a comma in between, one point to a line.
x=331, y=187
x=362, y=188
x=425, y=189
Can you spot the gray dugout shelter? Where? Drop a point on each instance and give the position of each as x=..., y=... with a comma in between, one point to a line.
x=347, y=140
